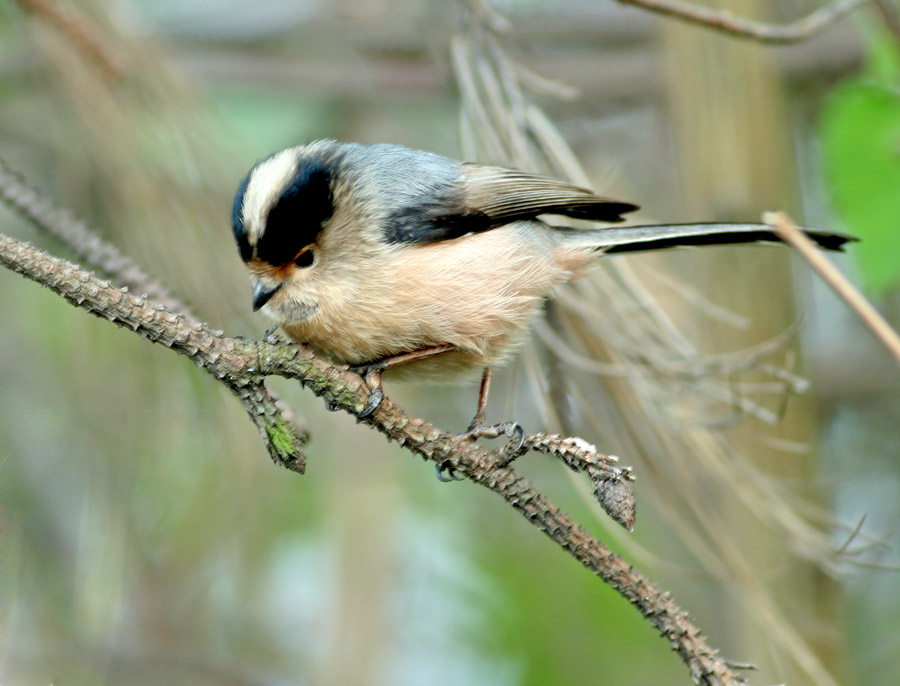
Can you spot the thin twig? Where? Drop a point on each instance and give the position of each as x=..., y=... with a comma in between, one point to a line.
x=722, y=20
x=242, y=364
x=610, y=481
x=44, y=214
x=869, y=316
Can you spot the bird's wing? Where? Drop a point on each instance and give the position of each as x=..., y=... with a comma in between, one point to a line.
x=507, y=195
x=481, y=198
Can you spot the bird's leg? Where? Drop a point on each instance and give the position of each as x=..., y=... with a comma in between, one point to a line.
x=481, y=411
x=479, y=429
x=372, y=371
x=476, y=423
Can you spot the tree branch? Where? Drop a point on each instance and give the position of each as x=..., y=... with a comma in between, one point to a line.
x=242, y=365
x=722, y=20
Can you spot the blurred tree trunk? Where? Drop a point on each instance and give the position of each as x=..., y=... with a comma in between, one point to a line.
x=735, y=159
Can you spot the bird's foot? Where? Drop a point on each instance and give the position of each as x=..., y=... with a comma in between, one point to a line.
x=270, y=336
x=513, y=430
x=446, y=473
x=371, y=374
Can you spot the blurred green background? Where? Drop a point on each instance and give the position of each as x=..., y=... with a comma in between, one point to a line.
x=148, y=539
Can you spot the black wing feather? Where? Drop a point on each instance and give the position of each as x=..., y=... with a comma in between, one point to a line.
x=484, y=198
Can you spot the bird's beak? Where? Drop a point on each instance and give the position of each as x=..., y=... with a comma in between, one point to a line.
x=262, y=294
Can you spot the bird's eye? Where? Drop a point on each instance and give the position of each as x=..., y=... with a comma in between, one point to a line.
x=305, y=259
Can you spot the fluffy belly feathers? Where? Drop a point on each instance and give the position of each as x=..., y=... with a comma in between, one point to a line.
x=478, y=293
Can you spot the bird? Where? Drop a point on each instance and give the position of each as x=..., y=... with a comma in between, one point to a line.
x=417, y=266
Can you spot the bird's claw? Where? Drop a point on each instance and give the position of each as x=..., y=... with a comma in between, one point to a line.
x=371, y=374
x=513, y=430
x=517, y=438
x=271, y=337
x=376, y=395
x=451, y=474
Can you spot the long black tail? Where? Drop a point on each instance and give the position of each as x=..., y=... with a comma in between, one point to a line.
x=661, y=236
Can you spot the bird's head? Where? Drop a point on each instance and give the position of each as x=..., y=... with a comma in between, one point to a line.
x=280, y=210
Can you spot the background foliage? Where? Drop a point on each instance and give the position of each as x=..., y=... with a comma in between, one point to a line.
x=147, y=539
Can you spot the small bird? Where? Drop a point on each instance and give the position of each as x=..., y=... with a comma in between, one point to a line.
x=395, y=260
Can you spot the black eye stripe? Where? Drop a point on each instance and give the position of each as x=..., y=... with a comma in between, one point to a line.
x=298, y=215
x=237, y=221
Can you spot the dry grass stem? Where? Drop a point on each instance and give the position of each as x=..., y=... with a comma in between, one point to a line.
x=76, y=29
x=839, y=283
